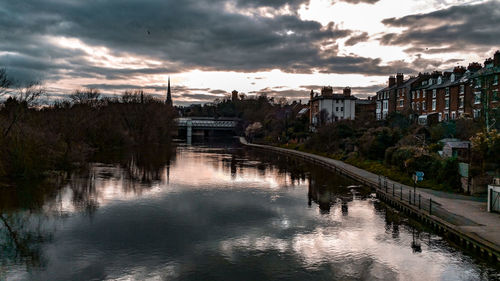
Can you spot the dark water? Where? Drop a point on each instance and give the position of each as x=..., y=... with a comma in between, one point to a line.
x=215, y=213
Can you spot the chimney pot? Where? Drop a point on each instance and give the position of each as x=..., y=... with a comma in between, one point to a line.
x=399, y=79
x=392, y=81
x=496, y=58
x=347, y=91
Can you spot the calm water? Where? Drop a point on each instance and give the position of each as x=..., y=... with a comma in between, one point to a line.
x=215, y=213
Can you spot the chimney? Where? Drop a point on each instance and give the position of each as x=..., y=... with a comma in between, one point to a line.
x=327, y=91
x=488, y=61
x=234, y=95
x=496, y=58
x=312, y=94
x=399, y=79
x=475, y=66
x=459, y=70
x=392, y=81
x=347, y=91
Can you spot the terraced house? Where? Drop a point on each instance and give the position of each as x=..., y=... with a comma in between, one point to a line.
x=442, y=96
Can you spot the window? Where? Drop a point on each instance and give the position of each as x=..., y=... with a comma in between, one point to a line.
x=423, y=105
x=413, y=94
x=430, y=81
x=478, y=83
x=440, y=80
x=461, y=102
x=476, y=113
x=447, y=91
x=477, y=97
x=418, y=94
x=462, y=89
x=434, y=93
x=453, y=115
x=418, y=106
x=433, y=104
x=423, y=94
x=378, y=105
x=446, y=116
x=341, y=109
x=495, y=80
x=440, y=116
x=400, y=103
x=413, y=105
x=337, y=108
x=452, y=77
x=446, y=103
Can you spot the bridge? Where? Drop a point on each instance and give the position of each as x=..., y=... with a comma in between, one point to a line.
x=205, y=125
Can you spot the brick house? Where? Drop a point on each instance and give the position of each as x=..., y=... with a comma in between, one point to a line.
x=485, y=88
x=386, y=99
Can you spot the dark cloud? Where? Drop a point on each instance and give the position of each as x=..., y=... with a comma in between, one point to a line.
x=182, y=35
x=456, y=28
x=360, y=92
x=278, y=92
x=361, y=1
x=355, y=39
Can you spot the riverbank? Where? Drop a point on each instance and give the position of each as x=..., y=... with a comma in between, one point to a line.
x=457, y=217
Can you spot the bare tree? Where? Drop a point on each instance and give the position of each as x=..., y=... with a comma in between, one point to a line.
x=31, y=93
x=5, y=82
x=86, y=96
x=18, y=103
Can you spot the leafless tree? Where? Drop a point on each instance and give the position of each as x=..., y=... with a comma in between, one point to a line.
x=31, y=93
x=17, y=105
x=86, y=96
x=5, y=82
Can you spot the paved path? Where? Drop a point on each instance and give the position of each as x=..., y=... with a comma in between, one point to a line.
x=468, y=215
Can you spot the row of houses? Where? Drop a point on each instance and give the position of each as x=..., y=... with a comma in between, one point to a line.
x=442, y=96
x=426, y=98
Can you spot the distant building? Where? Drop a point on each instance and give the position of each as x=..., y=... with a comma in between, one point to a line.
x=234, y=95
x=168, y=101
x=329, y=107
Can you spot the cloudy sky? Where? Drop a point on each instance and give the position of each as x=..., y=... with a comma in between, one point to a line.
x=211, y=47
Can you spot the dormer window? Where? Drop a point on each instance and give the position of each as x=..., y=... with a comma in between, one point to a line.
x=440, y=80
x=452, y=77
x=430, y=81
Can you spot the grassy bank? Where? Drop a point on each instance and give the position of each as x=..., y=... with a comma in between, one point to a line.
x=376, y=167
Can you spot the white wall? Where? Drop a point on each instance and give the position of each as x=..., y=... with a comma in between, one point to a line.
x=340, y=108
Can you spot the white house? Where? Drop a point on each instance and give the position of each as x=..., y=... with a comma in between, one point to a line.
x=329, y=107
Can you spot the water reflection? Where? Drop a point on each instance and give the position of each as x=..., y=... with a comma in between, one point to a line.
x=216, y=213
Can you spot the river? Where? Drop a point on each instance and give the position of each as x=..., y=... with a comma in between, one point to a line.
x=216, y=212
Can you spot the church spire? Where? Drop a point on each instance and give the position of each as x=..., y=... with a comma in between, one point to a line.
x=169, y=94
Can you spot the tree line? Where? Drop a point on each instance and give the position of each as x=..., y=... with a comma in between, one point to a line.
x=35, y=140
